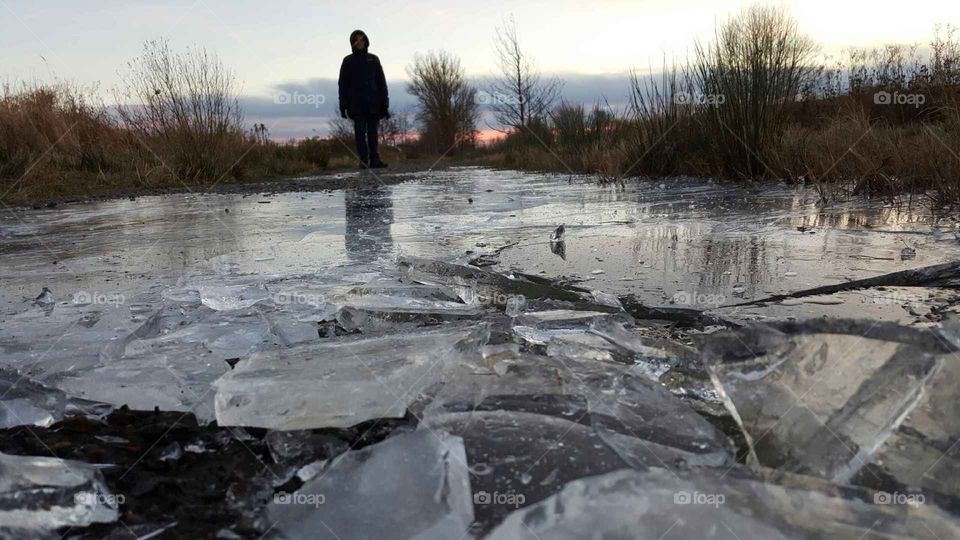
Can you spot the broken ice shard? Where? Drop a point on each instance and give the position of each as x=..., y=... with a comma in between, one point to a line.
x=413, y=485
x=522, y=457
x=564, y=318
x=24, y=402
x=172, y=377
x=478, y=286
x=40, y=494
x=374, y=319
x=637, y=418
x=338, y=383
x=231, y=297
x=701, y=503
x=843, y=406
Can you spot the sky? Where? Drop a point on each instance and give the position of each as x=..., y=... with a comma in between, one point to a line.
x=296, y=46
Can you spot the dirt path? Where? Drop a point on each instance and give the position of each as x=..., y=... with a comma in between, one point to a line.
x=326, y=181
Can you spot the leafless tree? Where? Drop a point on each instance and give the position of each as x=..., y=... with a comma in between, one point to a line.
x=183, y=105
x=519, y=93
x=447, y=105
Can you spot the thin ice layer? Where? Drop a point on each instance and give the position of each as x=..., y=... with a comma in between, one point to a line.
x=338, y=383
x=830, y=404
x=642, y=421
x=414, y=485
x=25, y=402
x=701, y=503
x=42, y=493
x=519, y=458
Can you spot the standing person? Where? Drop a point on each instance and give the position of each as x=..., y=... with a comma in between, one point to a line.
x=363, y=98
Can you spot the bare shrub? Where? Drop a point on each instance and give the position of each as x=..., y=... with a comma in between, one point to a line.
x=756, y=66
x=183, y=106
x=661, y=111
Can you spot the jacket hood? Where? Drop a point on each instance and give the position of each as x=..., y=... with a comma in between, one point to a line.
x=353, y=36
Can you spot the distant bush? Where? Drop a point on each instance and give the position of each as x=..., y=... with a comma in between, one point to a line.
x=57, y=125
x=183, y=107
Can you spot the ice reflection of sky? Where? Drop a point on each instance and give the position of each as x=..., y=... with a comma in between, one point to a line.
x=652, y=238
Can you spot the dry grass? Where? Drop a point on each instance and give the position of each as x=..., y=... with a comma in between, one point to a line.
x=60, y=142
x=833, y=128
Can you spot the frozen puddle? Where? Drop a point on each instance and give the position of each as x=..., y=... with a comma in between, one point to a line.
x=404, y=363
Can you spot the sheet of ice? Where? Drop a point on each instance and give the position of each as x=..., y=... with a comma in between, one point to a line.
x=231, y=297
x=170, y=360
x=339, y=383
x=374, y=319
x=171, y=376
x=478, y=286
x=40, y=494
x=642, y=420
x=584, y=346
x=25, y=402
x=396, y=290
x=413, y=485
x=844, y=406
x=923, y=451
x=656, y=504
x=650, y=349
x=519, y=458
x=639, y=419
x=565, y=318
x=71, y=337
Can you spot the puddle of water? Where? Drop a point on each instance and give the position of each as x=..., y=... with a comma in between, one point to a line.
x=687, y=241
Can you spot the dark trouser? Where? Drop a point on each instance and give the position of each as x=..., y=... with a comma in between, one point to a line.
x=365, y=132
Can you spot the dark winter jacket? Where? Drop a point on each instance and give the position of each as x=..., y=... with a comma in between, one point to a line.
x=363, y=87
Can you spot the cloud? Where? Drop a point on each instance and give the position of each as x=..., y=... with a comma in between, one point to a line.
x=297, y=109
